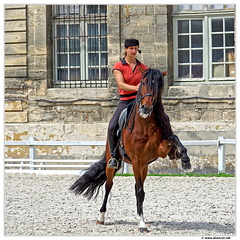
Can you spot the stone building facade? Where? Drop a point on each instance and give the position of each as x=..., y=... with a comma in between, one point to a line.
x=29, y=71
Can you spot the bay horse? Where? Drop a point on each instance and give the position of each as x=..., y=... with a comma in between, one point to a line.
x=145, y=138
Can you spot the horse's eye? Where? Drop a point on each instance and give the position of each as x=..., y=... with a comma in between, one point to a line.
x=143, y=83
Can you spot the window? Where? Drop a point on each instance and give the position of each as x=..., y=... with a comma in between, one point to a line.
x=202, y=7
x=204, y=45
x=222, y=47
x=80, y=46
x=190, y=48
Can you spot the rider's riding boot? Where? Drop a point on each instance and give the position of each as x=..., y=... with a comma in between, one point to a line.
x=113, y=141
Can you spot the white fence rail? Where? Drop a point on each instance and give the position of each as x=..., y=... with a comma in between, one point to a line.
x=75, y=166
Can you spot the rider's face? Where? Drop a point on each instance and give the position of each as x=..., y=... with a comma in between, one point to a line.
x=132, y=51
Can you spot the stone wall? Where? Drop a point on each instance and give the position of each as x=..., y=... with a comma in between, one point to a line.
x=28, y=75
x=151, y=25
x=15, y=61
x=215, y=111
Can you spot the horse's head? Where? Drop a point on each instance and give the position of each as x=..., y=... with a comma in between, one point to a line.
x=150, y=91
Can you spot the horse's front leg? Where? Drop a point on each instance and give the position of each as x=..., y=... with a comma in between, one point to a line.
x=140, y=194
x=108, y=187
x=183, y=151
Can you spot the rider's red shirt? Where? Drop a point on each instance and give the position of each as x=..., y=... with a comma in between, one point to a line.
x=132, y=77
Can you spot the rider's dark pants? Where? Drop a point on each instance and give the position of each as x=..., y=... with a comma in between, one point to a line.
x=113, y=125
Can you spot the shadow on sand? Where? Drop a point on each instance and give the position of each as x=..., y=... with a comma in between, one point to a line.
x=181, y=226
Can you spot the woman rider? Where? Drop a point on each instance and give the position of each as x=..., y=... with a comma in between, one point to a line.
x=128, y=76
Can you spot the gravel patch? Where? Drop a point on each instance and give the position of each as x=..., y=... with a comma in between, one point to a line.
x=41, y=205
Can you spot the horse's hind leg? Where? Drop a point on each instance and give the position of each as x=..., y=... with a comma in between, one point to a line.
x=108, y=187
x=183, y=151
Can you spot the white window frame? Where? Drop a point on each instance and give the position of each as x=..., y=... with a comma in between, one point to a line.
x=175, y=38
x=206, y=17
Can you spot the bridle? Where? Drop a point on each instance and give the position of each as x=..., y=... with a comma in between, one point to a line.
x=147, y=94
x=143, y=110
x=153, y=90
x=140, y=100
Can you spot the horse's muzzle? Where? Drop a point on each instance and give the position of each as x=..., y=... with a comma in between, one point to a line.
x=145, y=112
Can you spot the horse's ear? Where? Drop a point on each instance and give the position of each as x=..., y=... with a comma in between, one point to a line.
x=165, y=73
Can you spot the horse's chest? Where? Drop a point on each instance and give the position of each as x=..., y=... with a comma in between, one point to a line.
x=142, y=140
x=148, y=134
x=145, y=139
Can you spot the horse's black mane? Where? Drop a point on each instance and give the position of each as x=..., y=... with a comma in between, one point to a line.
x=155, y=82
x=155, y=85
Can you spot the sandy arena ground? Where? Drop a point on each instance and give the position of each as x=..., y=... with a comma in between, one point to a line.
x=41, y=205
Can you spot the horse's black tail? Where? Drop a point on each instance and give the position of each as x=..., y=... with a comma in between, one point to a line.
x=91, y=181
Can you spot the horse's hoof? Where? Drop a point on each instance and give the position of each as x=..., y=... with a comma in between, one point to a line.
x=186, y=165
x=142, y=229
x=100, y=222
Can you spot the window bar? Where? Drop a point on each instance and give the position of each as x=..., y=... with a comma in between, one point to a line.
x=105, y=22
x=74, y=48
x=77, y=47
x=89, y=48
x=224, y=50
x=64, y=50
x=61, y=48
x=85, y=45
x=96, y=50
x=100, y=50
x=98, y=47
x=68, y=80
x=81, y=13
x=190, y=49
x=54, y=12
x=56, y=49
x=64, y=32
x=61, y=33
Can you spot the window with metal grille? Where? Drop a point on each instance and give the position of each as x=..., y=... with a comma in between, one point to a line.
x=80, y=46
x=204, y=43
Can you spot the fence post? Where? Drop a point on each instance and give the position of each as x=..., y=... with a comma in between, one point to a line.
x=125, y=168
x=32, y=151
x=221, y=156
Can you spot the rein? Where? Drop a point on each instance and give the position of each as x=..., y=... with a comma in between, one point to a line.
x=140, y=100
x=133, y=121
x=147, y=94
x=134, y=110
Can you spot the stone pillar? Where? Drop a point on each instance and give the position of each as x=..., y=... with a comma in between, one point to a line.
x=114, y=45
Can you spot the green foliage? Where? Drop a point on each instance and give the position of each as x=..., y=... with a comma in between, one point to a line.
x=182, y=175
